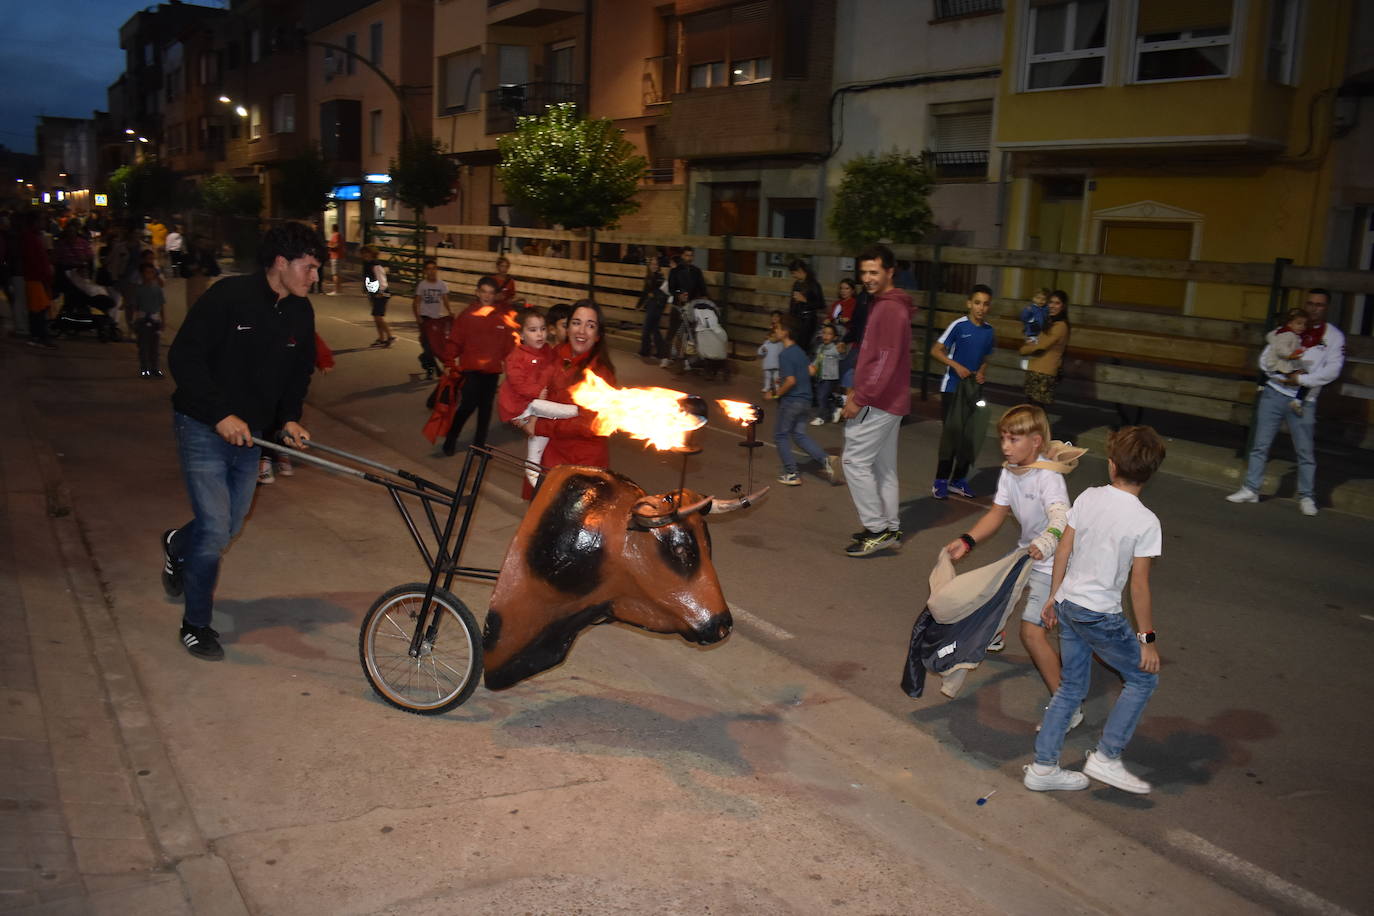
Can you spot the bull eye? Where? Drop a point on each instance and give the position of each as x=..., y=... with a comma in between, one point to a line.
x=678, y=547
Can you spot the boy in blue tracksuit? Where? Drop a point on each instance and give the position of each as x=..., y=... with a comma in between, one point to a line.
x=964, y=348
x=794, y=408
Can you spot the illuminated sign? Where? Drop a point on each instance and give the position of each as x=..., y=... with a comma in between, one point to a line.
x=47, y=198
x=102, y=200
x=377, y=178
x=347, y=192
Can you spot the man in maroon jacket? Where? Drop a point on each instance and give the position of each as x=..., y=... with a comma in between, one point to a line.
x=873, y=412
x=484, y=333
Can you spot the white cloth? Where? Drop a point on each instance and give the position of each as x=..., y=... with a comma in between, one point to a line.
x=431, y=296
x=1030, y=495
x=173, y=241
x=1110, y=528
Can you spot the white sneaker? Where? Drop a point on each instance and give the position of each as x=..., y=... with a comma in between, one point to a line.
x=664, y=363
x=265, y=474
x=1074, y=721
x=1243, y=495
x=1307, y=505
x=817, y=421
x=1041, y=778
x=1114, y=773
x=284, y=467
x=835, y=415
x=832, y=469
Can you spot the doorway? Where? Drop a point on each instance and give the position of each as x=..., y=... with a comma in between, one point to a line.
x=734, y=211
x=1173, y=241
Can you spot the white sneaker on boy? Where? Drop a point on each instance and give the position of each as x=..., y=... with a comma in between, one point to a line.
x=1050, y=778
x=1114, y=773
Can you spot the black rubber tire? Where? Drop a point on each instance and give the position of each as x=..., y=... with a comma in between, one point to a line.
x=431, y=684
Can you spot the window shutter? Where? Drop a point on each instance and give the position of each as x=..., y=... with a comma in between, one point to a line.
x=705, y=36
x=960, y=132
x=750, y=34
x=1182, y=16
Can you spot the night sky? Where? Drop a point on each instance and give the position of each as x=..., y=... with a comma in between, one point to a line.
x=59, y=57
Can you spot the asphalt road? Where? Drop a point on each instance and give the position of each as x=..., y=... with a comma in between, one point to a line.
x=1254, y=741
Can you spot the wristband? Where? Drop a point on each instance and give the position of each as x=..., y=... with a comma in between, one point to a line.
x=968, y=541
x=1058, y=535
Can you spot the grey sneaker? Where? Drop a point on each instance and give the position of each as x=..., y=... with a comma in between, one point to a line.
x=1307, y=505
x=872, y=542
x=1114, y=773
x=789, y=479
x=1243, y=495
x=1051, y=778
x=832, y=469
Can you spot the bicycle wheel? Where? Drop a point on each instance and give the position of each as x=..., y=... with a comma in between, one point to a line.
x=448, y=667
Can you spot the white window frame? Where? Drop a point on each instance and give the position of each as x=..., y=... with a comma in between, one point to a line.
x=1289, y=43
x=1205, y=41
x=751, y=68
x=1031, y=59
x=255, y=122
x=284, y=113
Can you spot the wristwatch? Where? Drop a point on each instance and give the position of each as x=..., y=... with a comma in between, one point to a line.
x=1146, y=638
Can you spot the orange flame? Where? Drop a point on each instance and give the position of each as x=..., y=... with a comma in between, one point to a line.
x=739, y=411
x=651, y=414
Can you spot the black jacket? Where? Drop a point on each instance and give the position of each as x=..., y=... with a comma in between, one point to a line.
x=242, y=351
x=686, y=278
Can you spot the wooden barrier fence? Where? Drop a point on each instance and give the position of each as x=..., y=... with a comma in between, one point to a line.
x=1201, y=367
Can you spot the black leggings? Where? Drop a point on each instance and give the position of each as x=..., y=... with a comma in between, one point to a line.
x=957, y=467
x=479, y=391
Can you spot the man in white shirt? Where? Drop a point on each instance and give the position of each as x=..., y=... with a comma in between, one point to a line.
x=174, y=244
x=1323, y=357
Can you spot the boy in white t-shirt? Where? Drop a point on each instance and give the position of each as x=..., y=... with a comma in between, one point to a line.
x=1110, y=537
x=1031, y=489
x=430, y=304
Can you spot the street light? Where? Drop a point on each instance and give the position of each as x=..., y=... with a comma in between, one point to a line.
x=240, y=111
x=130, y=131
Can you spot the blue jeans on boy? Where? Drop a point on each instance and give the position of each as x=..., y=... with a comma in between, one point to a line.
x=825, y=388
x=220, y=479
x=793, y=415
x=1271, y=412
x=1111, y=637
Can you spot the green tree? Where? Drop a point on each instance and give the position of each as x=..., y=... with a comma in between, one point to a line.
x=144, y=189
x=576, y=172
x=422, y=176
x=303, y=189
x=883, y=199
x=224, y=196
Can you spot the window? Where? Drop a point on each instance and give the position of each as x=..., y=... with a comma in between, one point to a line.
x=149, y=54
x=560, y=62
x=254, y=46
x=961, y=134
x=953, y=9
x=792, y=218
x=706, y=76
x=255, y=122
x=1067, y=44
x=202, y=133
x=460, y=79
x=1281, y=59
x=351, y=63
x=284, y=113
x=1183, y=40
x=374, y=53
x=796, y=38
x=725, y=46
x=375, y=131
x=755, y=70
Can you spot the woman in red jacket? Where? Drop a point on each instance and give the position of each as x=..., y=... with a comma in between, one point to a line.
x=572, y=441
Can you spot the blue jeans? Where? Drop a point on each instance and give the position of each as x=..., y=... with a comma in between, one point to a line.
x=793, y=415
x=650, y=336
x=220, y=479
x=825, y=389
x=1272, y=412
x=1110, y=636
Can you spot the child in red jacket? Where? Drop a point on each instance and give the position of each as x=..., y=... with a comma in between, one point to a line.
x=521, y=398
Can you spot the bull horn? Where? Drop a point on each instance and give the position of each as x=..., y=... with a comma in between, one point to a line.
x=730, y=505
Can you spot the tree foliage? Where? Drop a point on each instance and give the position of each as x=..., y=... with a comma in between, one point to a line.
x=572, y=171
x=222, y=195
x=144, y=188
x=422, y=176
x=883, y=198
x=303, y=189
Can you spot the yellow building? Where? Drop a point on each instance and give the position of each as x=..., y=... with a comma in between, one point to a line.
x=1169, y=128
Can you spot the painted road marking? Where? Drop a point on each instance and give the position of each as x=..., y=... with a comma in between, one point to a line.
x=759, y=623
x=1368, y=616
x=1273, y=884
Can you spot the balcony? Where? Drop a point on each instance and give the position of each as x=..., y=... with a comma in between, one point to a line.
x=659, y=80
x=959, y=165
x=506, y=103
x=774, y=118
x=958, y=9
x=531, y=13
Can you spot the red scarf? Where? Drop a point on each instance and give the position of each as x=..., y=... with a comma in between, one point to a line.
x=1314, y=335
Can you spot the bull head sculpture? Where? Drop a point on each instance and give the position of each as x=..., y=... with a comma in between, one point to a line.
x=594, y=547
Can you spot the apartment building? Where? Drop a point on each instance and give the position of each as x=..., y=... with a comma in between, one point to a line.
x=359, y=114
x=1195, y=130
x=193, y=128
x=136, y=98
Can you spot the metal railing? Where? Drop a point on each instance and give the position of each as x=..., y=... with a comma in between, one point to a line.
x=952, y=9
x=658, y=79
x=969, y=163
x=507, y=103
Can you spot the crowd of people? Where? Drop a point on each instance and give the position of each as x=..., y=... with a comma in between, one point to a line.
x=244, y=355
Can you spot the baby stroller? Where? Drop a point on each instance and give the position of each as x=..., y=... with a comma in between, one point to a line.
x=702, y=342
x=87, y=306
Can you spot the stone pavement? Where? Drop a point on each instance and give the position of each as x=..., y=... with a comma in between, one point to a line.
x=643, y=776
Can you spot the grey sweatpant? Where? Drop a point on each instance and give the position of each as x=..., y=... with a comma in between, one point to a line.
x=870, y=467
